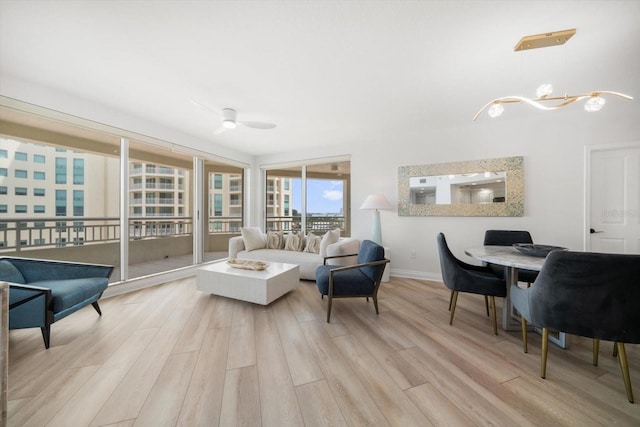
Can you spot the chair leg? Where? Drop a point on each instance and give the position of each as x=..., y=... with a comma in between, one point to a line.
x=494, y=316
x=454, y=299
x=46, y=335
x=596, y=350
x=375, y=303
x=486, y=304
x=624, y=367
x=545, y=349
x=367, y=299
x=523, y=323
x=615, y=349
x=328, y=309
x=450, y=299
x=97, y=307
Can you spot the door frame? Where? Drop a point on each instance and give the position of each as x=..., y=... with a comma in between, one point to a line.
x=588, y=151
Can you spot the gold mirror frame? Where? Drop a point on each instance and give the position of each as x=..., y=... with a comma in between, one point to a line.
x=513, y=206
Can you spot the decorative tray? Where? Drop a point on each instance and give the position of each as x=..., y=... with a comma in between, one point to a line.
x=537, y=250
x=246, y=264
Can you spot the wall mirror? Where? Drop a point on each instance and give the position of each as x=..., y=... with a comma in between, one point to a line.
x=489, y=187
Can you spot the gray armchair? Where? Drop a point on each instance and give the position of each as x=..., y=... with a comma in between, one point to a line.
x=508, y=238
x=586, y=294
x=462, y=277
x=359, y=280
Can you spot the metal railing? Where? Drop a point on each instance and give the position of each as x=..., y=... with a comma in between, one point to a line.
x=18, y=234
x=315, y=224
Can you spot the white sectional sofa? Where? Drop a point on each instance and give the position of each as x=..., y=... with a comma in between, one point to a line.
x=307, y=261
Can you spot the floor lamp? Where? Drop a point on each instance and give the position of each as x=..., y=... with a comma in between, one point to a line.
x=376, y=202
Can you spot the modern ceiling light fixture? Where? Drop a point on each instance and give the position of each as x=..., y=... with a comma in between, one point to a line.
x=595, y=101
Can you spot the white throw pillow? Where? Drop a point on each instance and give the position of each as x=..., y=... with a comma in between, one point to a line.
x=330, y=237
x=275, y=240
x=253, y=238
x=294, y=242
x=313, y=244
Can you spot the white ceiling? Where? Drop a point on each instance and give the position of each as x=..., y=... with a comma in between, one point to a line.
x=327, y=72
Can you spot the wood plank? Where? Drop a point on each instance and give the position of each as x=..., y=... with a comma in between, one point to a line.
x=318, y=406
x=163, y=405
x=300, y=359
x=394, y=404
x=203, y=400
x=278, y=402
x=435, y=405
x=87, y=401
x=241, y=398
x=349, y=392
x=242, y=347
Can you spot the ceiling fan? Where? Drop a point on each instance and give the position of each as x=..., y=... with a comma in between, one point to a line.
x=230, y=119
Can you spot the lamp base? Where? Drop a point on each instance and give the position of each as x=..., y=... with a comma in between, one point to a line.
x=376, y=232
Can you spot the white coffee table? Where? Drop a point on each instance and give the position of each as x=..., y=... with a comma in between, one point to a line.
x=259, y=287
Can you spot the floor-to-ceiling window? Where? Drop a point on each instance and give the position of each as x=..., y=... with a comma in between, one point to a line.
x=224, y=205
x=310, y=197
x=61, y=197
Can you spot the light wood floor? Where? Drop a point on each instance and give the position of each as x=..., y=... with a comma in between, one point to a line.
x=171, y=355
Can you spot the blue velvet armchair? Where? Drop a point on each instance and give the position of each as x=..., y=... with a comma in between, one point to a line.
x=43, y=292
x=358, y=280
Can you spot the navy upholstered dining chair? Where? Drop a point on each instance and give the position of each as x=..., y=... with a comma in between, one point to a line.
x=587, y=294
x=459, y=276
x=359, y=280
x=509, y=238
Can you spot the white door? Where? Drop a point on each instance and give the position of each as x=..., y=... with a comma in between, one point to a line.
x=615, y=200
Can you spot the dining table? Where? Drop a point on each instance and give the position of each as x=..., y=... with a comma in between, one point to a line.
x=513, y=260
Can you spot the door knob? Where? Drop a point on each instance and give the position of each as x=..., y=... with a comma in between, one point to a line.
x=593, y=231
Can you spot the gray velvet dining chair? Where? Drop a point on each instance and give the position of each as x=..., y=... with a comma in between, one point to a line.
x=592, y=295
x=459, y=276
x=509, y=238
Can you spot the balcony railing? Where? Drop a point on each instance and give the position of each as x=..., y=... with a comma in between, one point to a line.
x=315, y=224
x=17, y=234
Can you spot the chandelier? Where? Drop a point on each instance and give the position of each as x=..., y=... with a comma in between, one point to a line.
x=543, y=100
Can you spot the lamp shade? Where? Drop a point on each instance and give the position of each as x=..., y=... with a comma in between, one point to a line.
x=376, y=201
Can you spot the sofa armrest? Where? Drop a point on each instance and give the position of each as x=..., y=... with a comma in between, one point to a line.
x=236, y=244
x=342, y=251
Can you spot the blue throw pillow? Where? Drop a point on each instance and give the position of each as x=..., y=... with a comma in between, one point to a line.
x=9, y=273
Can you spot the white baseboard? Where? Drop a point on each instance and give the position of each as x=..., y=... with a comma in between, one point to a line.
x=419, y=275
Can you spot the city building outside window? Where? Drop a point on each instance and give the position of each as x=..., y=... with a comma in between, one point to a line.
x=38, y=158
x=21, y=156
x=78, y=202
x=3, y=189
x=61, y=170
x=61, y=202
x=20, y=173
x=78, y=171
x=3, y=171
x=3, y=154
x=21, y=191
x=217, y=181
x=40, y=176
x=38, y=192
x=21, y=209
x=38, y=209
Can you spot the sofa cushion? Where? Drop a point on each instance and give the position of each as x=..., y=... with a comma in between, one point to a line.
x=253, y=238
x=9, y=273
x=294, y=242
x=67, y=293
x=329, y=238
x=313, y=244
x=275, y=240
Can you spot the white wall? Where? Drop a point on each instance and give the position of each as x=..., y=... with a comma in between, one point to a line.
x=552, y=144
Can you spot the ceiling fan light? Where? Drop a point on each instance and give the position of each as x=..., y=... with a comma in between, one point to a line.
x=229, y=124
x=495, y=110
x=595, y=103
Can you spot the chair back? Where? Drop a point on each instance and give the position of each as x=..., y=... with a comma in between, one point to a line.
x=448, y=263
x=588, y=294
x=506, y=237
x=370, y=252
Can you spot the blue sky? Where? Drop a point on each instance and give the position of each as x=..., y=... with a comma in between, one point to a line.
x=322, y=196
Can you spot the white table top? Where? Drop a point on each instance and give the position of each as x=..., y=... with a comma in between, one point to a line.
x=274, y=269
x=507, y=256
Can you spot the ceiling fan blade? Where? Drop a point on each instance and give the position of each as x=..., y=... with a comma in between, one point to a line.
x=204, y=106
x=220, y=130
x=258, y=125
